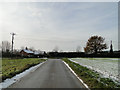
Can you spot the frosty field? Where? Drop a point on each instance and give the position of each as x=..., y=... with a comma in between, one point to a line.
x=107, y=67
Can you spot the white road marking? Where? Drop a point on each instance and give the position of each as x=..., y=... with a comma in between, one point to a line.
x=76, y=75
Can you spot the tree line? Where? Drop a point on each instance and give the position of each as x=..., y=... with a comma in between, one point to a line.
x=95, y=44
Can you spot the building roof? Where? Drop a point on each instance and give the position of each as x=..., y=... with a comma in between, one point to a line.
x=36, y=53
x=28, y=51
x=33, y=52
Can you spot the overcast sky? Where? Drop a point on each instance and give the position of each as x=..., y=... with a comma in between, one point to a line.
x=63, y=24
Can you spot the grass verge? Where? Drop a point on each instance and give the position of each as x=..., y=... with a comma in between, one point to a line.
x=90, y=77
x=11, y=67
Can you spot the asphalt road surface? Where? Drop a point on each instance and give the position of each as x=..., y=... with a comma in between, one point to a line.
x=52, y=74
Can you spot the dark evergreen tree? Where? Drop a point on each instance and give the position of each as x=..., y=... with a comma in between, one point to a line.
x=111, y=48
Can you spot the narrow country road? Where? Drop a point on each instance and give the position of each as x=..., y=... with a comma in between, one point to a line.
x=52, y=74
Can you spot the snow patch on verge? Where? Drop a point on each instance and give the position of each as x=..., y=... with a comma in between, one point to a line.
x=8, y=82
x=76, y=75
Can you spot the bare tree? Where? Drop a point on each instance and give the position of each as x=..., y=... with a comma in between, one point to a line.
x=78, y=49
x=56, y=49
x=22, y=48
x=0, y=50
x=32, y=48
x=6, y=46
x=95, y=44
x=61, y=50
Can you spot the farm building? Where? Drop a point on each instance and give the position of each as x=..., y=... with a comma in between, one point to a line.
x=26, y=53
x=39, y=54
x=29, y=53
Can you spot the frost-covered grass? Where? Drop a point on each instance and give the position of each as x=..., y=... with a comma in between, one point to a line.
x=107, y=67
x=11, y=67
x=90, y=77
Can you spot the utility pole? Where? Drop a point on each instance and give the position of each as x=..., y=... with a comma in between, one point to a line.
x=12, y=40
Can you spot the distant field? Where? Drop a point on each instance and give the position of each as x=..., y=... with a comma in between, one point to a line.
x=106, y=66
x=11, y=67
